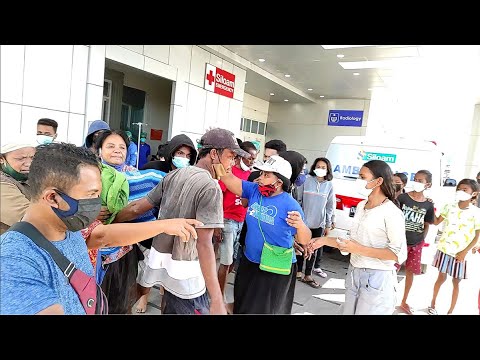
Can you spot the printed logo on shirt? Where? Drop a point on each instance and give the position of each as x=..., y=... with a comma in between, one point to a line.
x=414, y=218
x=266, y=214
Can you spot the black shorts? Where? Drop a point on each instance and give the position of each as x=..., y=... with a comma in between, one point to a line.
x=175, y=305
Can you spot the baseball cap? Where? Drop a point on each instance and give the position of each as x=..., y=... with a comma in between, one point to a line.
x=17, y=142
x=277, y=164
x=222, y=139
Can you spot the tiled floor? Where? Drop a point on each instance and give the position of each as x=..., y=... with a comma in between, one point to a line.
x=327, y=299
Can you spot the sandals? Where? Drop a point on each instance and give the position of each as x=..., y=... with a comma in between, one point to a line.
x=320, y=272
x=311, y=283
x=431, y=311
x=406, y=309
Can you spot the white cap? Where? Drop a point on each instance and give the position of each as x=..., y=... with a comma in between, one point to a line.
x=277, y=164
x=17, y=142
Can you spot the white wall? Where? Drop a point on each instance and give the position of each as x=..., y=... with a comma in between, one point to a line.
x=65, y=82
x=193, y=109
x=255, y=109
x=52, y=81
x=303, y=127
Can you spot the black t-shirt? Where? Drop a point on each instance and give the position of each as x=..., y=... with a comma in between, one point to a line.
x=416, y=214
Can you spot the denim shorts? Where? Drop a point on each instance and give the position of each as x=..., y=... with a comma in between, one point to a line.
x=370, y=292
x=229, y=245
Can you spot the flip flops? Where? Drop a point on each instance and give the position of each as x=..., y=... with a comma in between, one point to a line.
x=311, y=283
x=431, y=311
x=320, y=272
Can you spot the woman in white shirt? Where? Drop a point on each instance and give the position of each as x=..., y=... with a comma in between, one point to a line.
x=377, y=241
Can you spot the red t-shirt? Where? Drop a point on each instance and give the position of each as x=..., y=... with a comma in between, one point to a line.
x=232, y=205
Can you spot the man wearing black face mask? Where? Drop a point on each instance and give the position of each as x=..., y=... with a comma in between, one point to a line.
x=65, y=192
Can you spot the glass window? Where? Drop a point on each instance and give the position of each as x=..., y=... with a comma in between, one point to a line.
x=246, y=125
x=241, y=124
x=261, y=128
x=254, y=127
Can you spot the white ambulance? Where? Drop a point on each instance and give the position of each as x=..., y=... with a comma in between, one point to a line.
x=348, y=153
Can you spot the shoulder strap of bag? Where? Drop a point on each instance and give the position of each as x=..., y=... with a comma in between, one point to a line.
x=36, y=236
x=258, y=218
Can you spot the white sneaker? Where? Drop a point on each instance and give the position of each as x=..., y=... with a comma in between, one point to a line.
x=320, y=272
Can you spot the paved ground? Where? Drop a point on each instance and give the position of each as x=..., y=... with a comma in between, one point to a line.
x=327, y=299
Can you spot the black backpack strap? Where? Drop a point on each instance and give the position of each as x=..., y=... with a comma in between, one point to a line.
x=36, y=236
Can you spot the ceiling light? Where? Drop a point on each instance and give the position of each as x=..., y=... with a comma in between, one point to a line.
x=340, y=56
x=261, y=60
x=287, y=75
x=356, y=74
x=285, y=100
x=322, y=96
x=375, y=64
x=329, y=47
x=310, y=89
x=271, y=94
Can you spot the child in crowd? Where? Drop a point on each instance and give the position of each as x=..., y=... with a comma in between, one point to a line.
x=460, y=235
x=419, y=214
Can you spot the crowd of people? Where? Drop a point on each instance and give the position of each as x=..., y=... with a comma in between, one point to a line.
x=131, y=224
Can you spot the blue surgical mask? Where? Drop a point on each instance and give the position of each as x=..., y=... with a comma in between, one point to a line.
x=180, y=162
x=142, y=140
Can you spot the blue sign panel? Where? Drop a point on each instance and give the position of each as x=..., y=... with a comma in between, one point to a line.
x=345, y=118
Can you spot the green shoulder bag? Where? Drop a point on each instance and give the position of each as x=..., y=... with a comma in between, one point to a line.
x=275, y=259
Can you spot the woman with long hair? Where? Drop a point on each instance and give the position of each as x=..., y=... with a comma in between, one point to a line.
x=376, y=242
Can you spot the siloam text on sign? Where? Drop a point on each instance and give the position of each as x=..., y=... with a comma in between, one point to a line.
x=345, y=118
x=219, y=81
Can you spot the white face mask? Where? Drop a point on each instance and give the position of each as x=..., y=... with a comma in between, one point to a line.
x=462, y=196
x=243, y=166
x=44, y=139
x=361, y=187
x=418, y=186
x=320, y=172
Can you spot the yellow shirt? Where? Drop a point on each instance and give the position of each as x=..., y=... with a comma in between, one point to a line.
x=460, y=227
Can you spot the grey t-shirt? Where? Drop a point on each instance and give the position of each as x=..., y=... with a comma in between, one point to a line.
x=189, y=193
x=416, y=215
